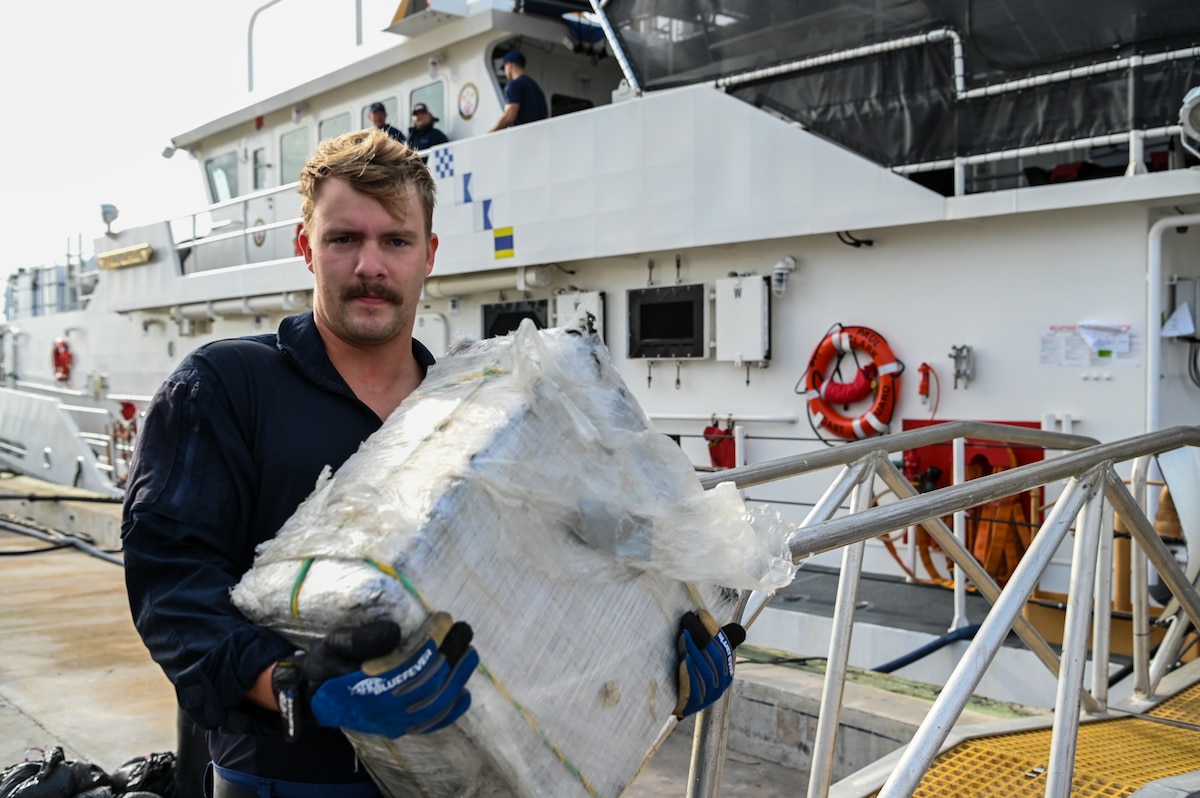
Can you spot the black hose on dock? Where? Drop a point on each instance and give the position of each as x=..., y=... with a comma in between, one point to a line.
x=961, y=633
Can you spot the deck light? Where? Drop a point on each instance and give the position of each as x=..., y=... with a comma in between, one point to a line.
x=779, y=275
x=108, y=213
x=1189, y=119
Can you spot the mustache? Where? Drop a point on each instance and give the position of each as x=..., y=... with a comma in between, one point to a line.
x=378, y=290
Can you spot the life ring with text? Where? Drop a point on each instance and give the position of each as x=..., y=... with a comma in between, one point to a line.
x=881, y=377
x=299, y=250
x=62, y=360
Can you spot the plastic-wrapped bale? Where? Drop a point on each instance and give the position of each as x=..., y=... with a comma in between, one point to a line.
x=522, y=489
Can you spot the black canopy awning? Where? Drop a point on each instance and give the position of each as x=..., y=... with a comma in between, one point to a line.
x=901, y=106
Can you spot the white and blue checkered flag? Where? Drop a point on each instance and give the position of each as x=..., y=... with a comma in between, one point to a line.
x=443, y=164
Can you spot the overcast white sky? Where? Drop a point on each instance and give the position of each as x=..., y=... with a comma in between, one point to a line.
x=93, y=91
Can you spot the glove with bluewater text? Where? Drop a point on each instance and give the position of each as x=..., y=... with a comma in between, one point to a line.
x=362, y=680
x=705, y=660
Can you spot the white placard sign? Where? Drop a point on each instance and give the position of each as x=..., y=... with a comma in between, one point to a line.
x=1090, y=344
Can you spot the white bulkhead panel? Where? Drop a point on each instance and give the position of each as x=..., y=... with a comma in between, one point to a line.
x=743, y=319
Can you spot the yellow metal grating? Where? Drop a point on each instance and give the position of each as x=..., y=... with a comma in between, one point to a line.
x=1113, y=758
x=1183, y=707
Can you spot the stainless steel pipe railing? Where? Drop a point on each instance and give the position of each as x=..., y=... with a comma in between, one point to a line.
x=1093, y=490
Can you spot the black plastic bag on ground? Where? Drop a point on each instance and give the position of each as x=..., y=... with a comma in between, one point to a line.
x=14, y=776
x=54, y=776
x=52, y=779
x=153, y=773
x=86, y=777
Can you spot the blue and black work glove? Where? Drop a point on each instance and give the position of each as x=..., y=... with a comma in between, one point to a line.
x=361, y=679
x=705, y=660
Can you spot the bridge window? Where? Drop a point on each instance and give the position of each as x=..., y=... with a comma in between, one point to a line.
x=433, y=95
x=293, y=153
x=222, y=176
x=334, y=126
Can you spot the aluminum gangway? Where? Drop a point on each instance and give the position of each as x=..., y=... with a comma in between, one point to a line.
x=1091, y=491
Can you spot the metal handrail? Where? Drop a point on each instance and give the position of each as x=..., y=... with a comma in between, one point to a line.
x=1134, y=136
x=197, y=241
x=758, y=473
x=879, y=520
x=707, y=754
x=1091, y=482
x=194, y=243
x=750, y=475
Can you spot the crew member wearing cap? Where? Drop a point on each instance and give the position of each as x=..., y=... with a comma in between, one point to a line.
x=524, y=99
x=379, y=119
x=423, y=135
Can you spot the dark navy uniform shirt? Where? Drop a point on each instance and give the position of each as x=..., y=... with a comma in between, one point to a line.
x=233, y=441
x=525, y=91
x=425, y=137
x=393, y=132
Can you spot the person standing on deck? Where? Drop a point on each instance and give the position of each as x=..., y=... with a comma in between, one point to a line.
x=423, y=135
x=523, y=97
x=379, y=120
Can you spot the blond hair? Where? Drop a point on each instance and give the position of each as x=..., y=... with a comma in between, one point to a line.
x=374, y=164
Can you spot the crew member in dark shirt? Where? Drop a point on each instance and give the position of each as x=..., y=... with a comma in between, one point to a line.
x=379, y=119
x=228, y=450
x=524, y=100
x=423, y=135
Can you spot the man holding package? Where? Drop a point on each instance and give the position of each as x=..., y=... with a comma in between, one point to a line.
x=234, y=441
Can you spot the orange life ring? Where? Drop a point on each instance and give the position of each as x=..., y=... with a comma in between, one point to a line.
x=299, y=250
x=840, y=341
x=62, y=360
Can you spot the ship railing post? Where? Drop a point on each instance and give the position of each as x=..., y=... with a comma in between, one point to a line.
x=1138, y=579
x=960, y=532
x=1137, y=149
x=833, y=688
x=711, y=735
x=1155, y=551
x=927, y=741
x=712, y=725
x=1168, y=649
x=983, y=581
x=1102, y=620
x=708, y=750
x=836, y=493
x=245, y=204
x=1082, y=589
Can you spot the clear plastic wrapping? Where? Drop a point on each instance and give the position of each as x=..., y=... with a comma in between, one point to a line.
x=523, y=490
